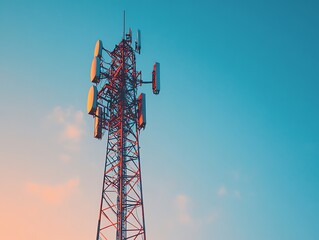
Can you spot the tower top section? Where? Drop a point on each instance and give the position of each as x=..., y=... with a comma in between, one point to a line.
x=113, y=75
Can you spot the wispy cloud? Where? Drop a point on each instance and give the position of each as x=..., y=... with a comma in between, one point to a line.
x=53, y=194
x=71, y=121
x=68, y=128
x=229, y=193
x=72, y=132
x=222, y=191
x=182, y=204
x=65, y=157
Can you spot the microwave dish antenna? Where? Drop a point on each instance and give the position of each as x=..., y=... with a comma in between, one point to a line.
x=95, y=70
x=98, y=49
x=92, y=100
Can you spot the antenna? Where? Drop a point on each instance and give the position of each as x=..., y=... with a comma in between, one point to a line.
x=141, y=111
x=138, y=42
x=156, y=84
x=123, y=24
x=98, y=49
x=95, y=70
x=92, y=100
x=98, y=123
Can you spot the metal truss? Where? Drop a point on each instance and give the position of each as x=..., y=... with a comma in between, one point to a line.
x=121, y=211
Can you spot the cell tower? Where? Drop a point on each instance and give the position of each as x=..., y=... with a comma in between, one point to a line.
x=113, y=102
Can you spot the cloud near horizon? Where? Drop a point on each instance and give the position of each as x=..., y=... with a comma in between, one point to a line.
x=70, y=126
x=72, y=122
x=53, y=194
x=182, y=204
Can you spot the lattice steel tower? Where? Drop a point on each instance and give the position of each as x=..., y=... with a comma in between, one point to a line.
x=113, y=102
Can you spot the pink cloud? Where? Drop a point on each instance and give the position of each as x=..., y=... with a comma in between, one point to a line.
x=182, y=204
x=65, y=157
x=58, y=115
x=72, y=132
x=68, y=125
x=53, y=194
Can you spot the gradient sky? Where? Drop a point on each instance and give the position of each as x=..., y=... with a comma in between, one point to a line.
x=231, y=147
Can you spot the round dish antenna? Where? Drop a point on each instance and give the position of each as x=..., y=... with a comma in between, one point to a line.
x=98, y=48
x=95, y=70
x=92, y=100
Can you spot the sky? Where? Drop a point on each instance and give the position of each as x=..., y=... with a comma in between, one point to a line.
x=231, y=146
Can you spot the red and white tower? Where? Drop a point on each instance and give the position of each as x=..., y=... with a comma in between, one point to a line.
x=117, y=111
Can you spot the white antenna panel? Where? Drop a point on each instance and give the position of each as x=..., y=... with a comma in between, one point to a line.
x=129, y=36
x=98, y=49
x=156, y=79
x=141, y=111
x=98, y=124
x=95, y=70
x=138, y=42
x=92, y=100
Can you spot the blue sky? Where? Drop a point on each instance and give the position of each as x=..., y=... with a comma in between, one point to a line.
x=231, y=147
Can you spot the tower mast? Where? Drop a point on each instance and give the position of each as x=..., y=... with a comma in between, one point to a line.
x=117, y=110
